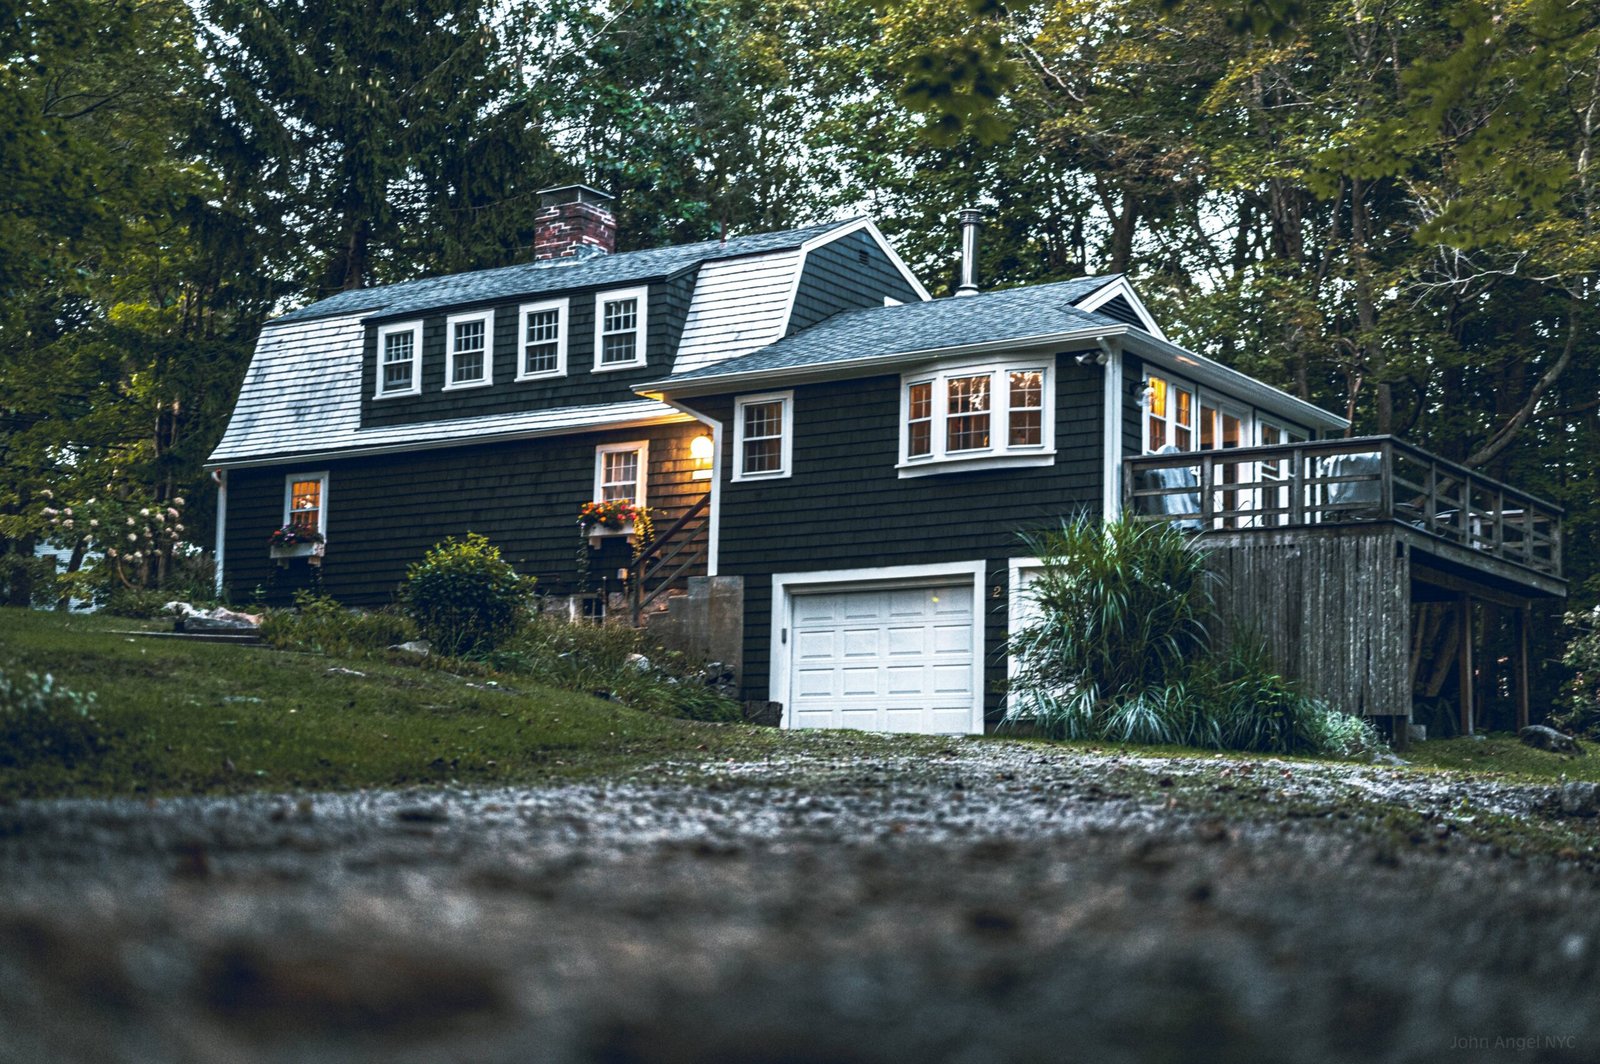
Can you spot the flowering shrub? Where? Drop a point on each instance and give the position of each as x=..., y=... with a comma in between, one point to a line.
x=1580, y=695
x=293, y=536
x=135, y=537
x=612, y=514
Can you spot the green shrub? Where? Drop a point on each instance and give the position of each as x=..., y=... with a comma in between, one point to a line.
x=616, y=662
x=1121, y=608
x=1119, y=651
x=41, y=720
x=142, y=603
x=1579, y=710
x=321, y=625
x=464, y=597
x=27, y=580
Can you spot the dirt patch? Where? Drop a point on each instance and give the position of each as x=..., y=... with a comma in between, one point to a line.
x=985, y=902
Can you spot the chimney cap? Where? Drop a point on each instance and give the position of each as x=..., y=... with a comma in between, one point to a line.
x=573, y=193
x=970, y=216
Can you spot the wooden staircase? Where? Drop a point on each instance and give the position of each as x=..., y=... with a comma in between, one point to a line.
x=665, y=564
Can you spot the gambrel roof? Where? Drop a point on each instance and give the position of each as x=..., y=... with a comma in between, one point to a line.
x=302, y=394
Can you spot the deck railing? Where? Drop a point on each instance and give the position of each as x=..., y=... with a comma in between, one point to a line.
x=1330, y=482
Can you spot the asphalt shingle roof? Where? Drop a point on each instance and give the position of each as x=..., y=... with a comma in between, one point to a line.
x=431, y=293
x=1007, y=314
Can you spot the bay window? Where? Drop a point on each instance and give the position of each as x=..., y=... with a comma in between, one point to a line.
x=975, y=415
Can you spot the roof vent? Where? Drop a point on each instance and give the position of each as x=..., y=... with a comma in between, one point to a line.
x=971, y=221
x=573, y=220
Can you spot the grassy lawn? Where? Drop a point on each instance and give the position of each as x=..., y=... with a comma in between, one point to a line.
x=186, y=718
x=196, y=717
x=1504, y=754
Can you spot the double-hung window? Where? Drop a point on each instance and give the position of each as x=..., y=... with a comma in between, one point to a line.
x=1169, y=409
x=763, y=436
x=399, y=360
x=305, y=502
x=973, y=415
x=469, y=340
x=620, y=471
x=620, y=328
x=543, y=344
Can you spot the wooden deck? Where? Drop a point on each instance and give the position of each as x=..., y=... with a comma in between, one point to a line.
x=1329, y=552
x=1471, y=524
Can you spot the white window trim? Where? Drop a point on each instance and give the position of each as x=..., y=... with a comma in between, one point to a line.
x=786, y=459
x=786, y=585
x=641, y=346
x=322, y=505
x=600, y=452
x=386, y=331
x=998, y=455
x=450, y=323
x=526, y=311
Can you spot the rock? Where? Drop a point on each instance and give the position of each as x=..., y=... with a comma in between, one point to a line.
x=1542, y=738
x=1417, y=733
x=221, y=618
x=420, y=647
x=1384, y=757
x=340, y=670
x=640, y=662
x=422, y=814
x=1579, y=799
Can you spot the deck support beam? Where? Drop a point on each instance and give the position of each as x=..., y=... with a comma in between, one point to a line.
x=1524, y=667
x=1464, y=662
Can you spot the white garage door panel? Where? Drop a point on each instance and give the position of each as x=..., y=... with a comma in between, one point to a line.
x=892, y=659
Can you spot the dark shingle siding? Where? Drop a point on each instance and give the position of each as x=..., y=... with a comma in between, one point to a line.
x=668, y=304
x=851, y=273
x=385, y=512
x=1011, y=314
x=529, y=279
x=845, y=506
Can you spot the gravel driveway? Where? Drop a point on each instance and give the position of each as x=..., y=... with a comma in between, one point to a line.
x=991, y=901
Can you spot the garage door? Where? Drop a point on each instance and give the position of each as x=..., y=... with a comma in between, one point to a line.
x=892, y=659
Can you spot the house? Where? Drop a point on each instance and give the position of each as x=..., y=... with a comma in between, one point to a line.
x=845, y=461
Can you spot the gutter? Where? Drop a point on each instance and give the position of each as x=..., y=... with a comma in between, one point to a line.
x=508, y=436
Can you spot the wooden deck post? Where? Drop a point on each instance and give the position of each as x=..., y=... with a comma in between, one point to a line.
x=1524, y=667
x=1464, y=662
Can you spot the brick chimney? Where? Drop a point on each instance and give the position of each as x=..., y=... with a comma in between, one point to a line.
x=573, y=220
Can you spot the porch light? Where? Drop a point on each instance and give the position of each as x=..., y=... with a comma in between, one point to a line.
x=701, y=451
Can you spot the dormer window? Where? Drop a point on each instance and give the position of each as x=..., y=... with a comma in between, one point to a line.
x=976, y=415
x=399, y=359
x=543, y=328
x=470, y=353
x=620, y=319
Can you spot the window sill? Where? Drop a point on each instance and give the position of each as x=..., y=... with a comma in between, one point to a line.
x=547, y=375
x=741, y=478
x=976, y=463
x=614, y=366
x=397, y=394
x=464, y=385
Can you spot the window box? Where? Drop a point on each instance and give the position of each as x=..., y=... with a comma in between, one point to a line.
x=312, y=552
x=600, y=533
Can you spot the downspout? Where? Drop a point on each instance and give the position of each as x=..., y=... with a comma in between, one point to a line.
x=1111, y=478
x=220, y=476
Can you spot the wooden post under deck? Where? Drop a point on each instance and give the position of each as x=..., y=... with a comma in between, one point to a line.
x=1524, y=667
x=1464, y=662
